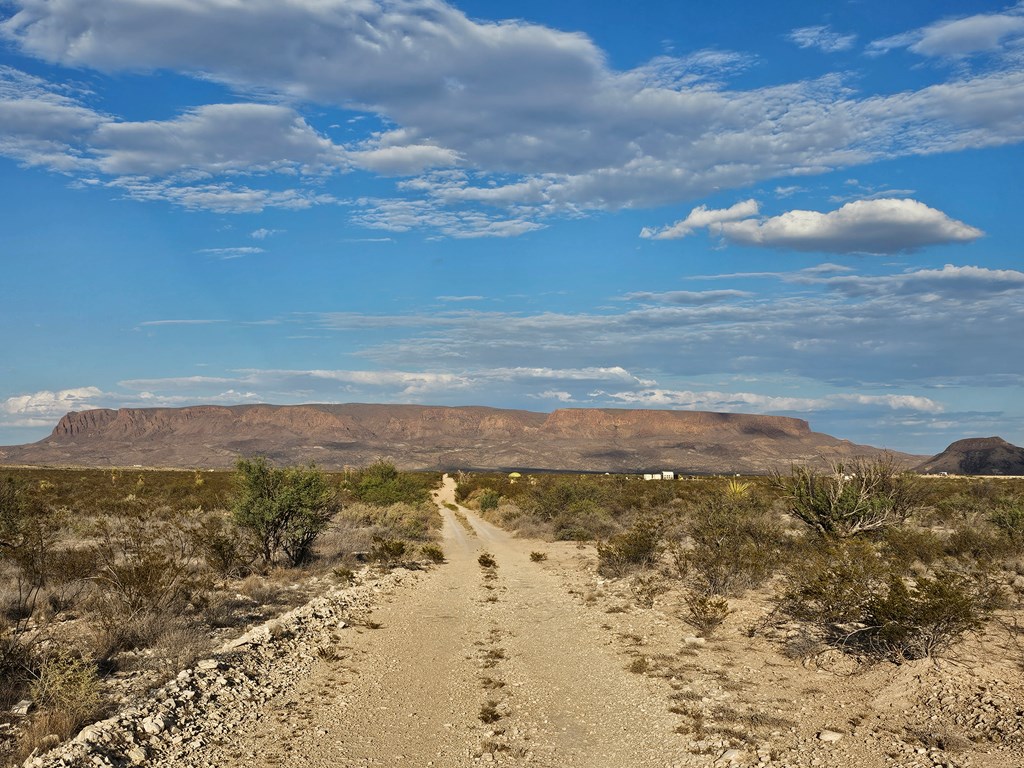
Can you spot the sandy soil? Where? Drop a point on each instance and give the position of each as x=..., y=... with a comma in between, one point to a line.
x=547, y=664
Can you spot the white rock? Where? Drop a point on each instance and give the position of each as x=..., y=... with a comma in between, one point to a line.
x=829, y=736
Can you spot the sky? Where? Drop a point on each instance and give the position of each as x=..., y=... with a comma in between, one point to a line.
x=793, y=208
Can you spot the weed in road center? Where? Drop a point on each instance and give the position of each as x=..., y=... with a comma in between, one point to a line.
x=489, y=712
x=487, y=560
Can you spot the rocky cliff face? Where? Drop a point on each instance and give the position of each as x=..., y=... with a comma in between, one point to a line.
x=977, y=456
x=433, y=437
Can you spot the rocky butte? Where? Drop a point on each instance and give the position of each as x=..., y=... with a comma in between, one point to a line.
x=435, y=437
x=977, y=456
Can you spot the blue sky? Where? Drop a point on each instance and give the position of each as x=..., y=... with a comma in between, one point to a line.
x=796, y=208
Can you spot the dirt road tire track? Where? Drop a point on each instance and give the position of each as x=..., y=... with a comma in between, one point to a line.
x=412, y=691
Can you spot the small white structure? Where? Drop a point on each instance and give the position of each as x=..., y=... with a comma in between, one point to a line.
x=663, y=475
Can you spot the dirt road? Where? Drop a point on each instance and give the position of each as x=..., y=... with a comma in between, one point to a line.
x=468, y=645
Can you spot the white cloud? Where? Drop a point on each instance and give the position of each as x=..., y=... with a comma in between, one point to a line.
x=232, y=253
x=262, y=233
x=180, y=322
x=822, y=38
x=701, y=216
x=882, y=226
x=536, y=115
x=220, y=198
x=398, y=215
x=979, y=33
x=748, y=401
x=687, y=297
x=404, y=160
x=216, y=138
x=951, y=283
x=43, y=408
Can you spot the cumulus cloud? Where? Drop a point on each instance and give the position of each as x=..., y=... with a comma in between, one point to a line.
x=216, y=138
x=877, y=226
x=882, y=226
x=44, y=407
x=700, y=217
x=822, y=38
x=979, y=33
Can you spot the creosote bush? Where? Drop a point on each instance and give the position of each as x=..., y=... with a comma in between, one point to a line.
x=735, y=544
x=638, y=547
x=705, y=612
x=387, y=551
x=382, y=484
x=859, y=601
x=433, y=553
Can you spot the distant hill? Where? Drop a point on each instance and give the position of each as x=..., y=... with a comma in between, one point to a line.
x=435, y=437
x=977, y=456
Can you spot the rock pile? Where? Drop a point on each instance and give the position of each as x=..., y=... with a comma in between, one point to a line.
x=209, y=701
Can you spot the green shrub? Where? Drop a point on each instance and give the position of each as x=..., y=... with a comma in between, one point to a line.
x=387, y=551
x=978, y=542
x=382, y=485
x=736, y=545
x=905, y=545
x=1009, y=519
x=583, y=520
x=489, y=500
x=282, y=509
x=834, y=583
x=928, y=616
x=860, y=602
x=221, y=545
x=538, y=557
x=432, y=552
x=638, y=547
x=68, y=684
x=705, y=612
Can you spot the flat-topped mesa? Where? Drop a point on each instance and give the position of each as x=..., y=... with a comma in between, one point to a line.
x=639, y=423
x=434, y=437
x=84, y=422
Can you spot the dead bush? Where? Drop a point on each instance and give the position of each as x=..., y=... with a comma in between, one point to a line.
x=143, y=575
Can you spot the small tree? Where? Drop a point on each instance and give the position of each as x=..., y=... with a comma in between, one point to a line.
x=282, y=509
x=851, y=497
